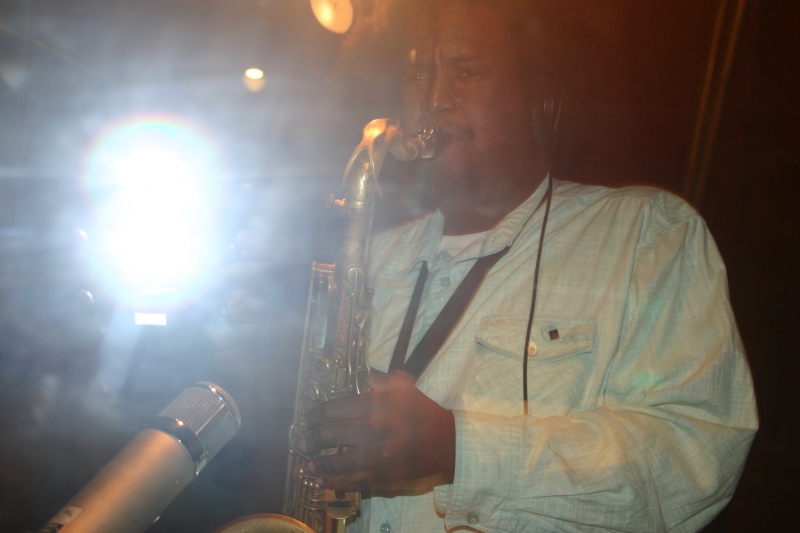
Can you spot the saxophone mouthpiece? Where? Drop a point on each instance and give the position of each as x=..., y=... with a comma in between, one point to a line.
x=434, y=141
x=384, y=136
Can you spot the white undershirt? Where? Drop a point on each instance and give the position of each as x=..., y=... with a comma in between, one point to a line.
x=455, y=244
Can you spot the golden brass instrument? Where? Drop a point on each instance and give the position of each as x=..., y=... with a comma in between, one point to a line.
x=334, y=359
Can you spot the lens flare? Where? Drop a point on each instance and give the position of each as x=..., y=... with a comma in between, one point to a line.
x=156, y=184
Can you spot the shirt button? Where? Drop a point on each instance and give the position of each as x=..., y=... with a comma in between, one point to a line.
x=386, y=528
x=445, y=282
x=533, y=350
x=473, y=518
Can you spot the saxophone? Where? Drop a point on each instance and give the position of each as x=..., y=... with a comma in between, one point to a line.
x=333, y=360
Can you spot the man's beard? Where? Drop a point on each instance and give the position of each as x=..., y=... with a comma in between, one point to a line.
x=439, y=183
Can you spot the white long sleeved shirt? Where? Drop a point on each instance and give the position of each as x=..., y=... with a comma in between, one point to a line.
x=641, y=408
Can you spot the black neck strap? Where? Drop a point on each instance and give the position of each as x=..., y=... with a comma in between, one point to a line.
x=443, y=324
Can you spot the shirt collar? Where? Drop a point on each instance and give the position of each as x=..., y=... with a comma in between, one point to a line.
x=423, y=241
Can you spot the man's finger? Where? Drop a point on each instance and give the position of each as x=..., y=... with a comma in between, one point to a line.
x=340, y=409
x=348, y=482
x=346, y=462
x=377, y=380
x=331, y=435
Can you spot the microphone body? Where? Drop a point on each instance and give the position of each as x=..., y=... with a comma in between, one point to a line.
x=132, y=490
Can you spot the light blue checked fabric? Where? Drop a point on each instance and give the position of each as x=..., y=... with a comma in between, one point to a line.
x=641, y=407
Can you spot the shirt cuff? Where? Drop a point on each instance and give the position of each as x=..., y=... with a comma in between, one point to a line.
x=487, y=473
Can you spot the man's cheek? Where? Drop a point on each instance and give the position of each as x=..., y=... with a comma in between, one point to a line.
x=412, y=108
x=448, y=167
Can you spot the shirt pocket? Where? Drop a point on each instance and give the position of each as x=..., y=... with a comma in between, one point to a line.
x=552, y=339
x=560, y=365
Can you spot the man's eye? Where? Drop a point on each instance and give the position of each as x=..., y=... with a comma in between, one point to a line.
x=469, y=73
x=418, y=77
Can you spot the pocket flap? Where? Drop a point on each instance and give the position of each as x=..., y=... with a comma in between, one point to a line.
x=553, y=338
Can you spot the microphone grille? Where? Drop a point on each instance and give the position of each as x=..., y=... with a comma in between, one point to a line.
x=209, y=412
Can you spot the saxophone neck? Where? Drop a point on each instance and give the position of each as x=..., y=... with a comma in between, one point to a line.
x=381, y=137
x=361, y=185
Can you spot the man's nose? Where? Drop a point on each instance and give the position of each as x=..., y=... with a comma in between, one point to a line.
x=440, y=95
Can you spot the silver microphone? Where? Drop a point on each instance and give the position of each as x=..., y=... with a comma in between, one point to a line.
x=132, y=490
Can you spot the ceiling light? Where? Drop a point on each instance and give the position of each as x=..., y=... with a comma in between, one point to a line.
x=334, y=15
x=254, y=73
x=254, y=79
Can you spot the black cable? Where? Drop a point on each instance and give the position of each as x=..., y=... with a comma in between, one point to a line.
x=533, y=295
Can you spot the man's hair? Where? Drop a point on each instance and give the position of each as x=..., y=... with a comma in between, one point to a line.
x=547, y=33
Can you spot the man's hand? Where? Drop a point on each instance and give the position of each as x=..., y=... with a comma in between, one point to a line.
x=393, y=433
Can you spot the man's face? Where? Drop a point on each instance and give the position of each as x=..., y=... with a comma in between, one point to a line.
x=463, y=76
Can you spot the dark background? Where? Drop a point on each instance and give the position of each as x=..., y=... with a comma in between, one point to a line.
x=70, y=68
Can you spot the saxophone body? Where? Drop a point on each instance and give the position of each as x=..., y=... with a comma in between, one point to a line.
x=333, y=359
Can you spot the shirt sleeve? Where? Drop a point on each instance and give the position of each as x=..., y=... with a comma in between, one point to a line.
x=665, y=450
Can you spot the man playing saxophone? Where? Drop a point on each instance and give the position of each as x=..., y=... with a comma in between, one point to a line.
x=593, y=381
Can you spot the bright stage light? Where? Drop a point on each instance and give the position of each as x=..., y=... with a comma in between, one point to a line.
x=156, y=185
x=150, y=319
x=334, y=15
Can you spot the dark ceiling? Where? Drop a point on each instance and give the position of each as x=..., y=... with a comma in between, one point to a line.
x=87, y=63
